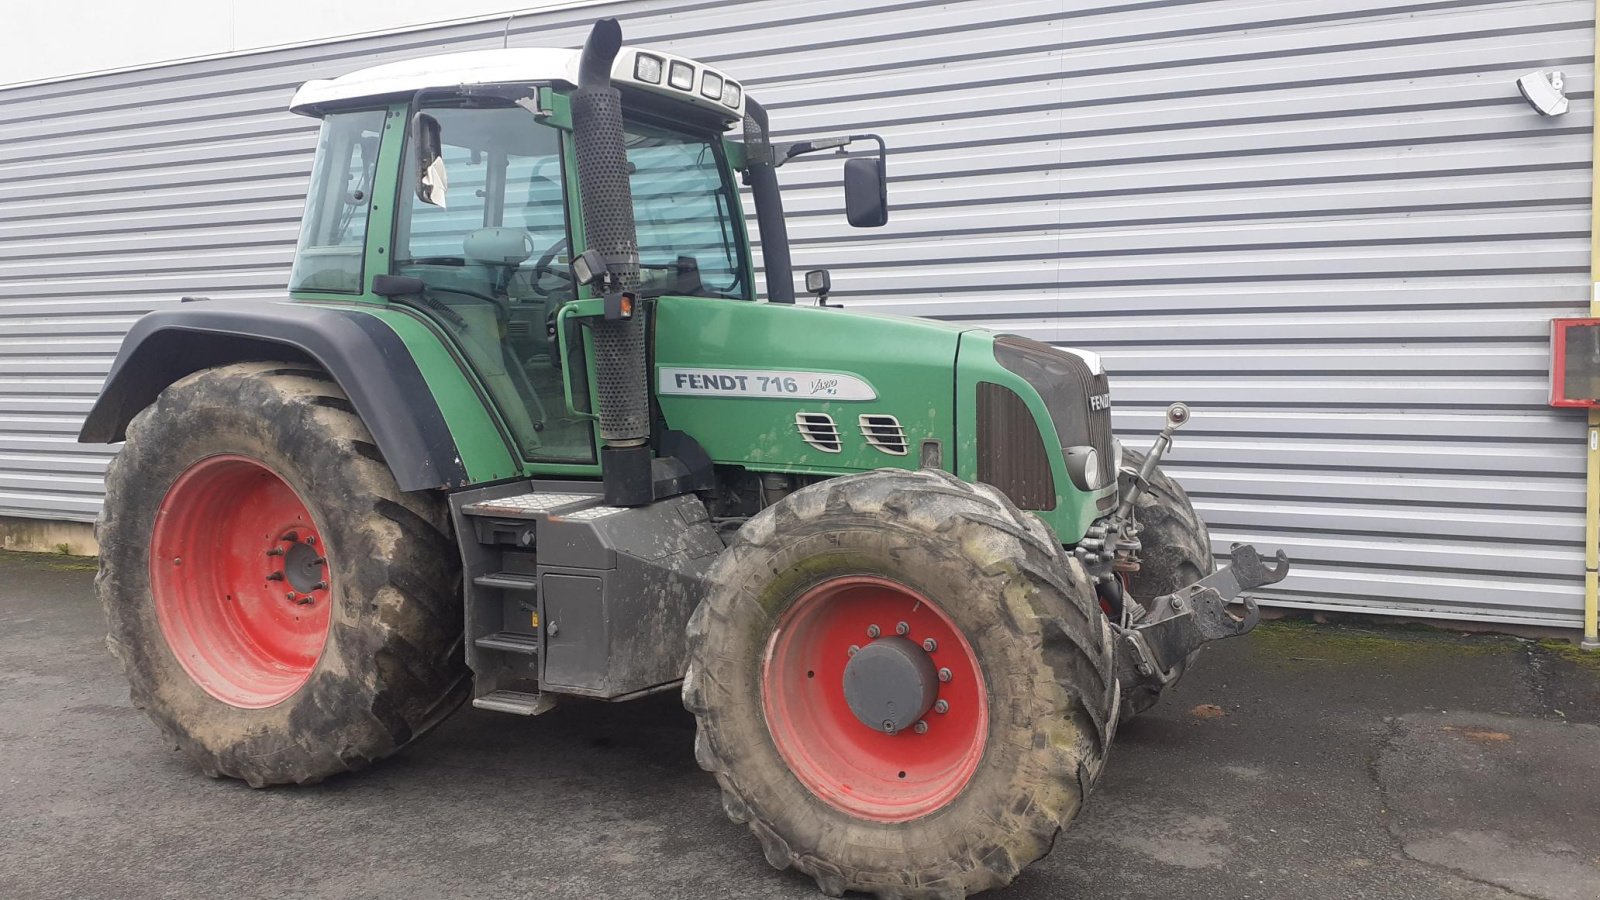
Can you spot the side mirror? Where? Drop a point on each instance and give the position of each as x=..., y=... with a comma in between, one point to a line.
x=432, y=180
x=866, y=192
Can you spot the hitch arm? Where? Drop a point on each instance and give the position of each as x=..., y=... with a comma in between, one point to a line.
x=1183, y=621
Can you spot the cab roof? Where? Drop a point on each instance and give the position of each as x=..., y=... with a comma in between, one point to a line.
x=707, y=88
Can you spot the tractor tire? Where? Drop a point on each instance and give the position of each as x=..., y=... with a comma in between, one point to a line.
x=977, y=788
x=282, y=610
x=1176, y=553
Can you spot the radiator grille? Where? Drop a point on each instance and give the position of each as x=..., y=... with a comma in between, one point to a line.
x=1079, y=399
x=1011, y=451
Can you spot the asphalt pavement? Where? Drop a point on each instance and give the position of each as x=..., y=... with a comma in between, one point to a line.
x=1303, y=761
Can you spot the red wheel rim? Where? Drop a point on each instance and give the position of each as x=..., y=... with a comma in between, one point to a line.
x=849, y=765
x=240, y=578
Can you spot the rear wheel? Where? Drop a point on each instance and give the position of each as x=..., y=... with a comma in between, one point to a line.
x=282, y=610
x=1175, y=552
x=902, y=685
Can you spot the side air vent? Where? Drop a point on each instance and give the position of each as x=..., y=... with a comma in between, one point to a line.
x=885, y=433
x=818, y=430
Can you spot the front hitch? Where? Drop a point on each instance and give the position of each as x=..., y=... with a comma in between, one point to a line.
x=1187, y=619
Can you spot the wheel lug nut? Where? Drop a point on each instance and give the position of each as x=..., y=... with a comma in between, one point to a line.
x=320, y=586
x=311, y=539
x=941, y=706
x=873, y=631
x=275, y=551
x=854, y=649
x=320, y=561
x=945, y=675
x=292, y=595
x=920, y=727
x=275, y=576
x=292, y=537
x=888, y=727
x=930, y=645
x=902, y=629
x=306, y=600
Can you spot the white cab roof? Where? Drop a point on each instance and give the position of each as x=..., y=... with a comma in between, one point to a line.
x=513, y=66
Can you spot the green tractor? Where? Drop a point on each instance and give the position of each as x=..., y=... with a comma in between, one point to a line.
x=520, y=434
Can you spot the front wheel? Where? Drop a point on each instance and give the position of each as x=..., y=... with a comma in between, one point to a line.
x=282, y=610
x=902, y=684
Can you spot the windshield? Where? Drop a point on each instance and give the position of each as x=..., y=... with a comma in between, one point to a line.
x=484, y=226
x=685, y=211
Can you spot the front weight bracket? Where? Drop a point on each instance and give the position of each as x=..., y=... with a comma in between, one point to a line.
x=1187, y=619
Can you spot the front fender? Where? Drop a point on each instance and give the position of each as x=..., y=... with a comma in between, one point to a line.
x=363, y=355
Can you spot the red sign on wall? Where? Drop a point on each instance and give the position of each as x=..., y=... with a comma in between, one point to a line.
x=1575, y=362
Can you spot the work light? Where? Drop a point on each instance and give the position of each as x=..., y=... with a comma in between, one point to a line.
x=647, y=68
x=731, y=94
x=682, y=76
x=711, y=86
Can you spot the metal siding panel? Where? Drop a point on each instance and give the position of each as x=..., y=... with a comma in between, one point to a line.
x=1331, y=225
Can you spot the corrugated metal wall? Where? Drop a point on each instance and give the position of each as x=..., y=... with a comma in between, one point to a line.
x=1332, y=226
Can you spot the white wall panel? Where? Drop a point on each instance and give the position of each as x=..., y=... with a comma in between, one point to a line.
x=1332, y=226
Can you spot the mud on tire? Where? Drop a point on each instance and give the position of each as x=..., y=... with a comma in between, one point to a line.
x=1030, y=616
x=1176, y=553
x=392, y=664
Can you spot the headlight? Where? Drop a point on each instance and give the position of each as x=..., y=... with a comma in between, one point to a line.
x=1083, y=465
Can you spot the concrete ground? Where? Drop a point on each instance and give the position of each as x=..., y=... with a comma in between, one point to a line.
x=1302, y=761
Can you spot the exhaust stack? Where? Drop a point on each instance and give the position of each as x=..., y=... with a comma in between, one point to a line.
x=608, y=227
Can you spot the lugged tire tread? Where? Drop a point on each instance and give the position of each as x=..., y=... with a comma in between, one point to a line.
x=1070, y=639
x=413, y=641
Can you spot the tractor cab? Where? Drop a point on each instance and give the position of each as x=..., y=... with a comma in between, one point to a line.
x=447, y=185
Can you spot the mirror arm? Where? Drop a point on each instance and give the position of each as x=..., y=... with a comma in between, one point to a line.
x=782, y=153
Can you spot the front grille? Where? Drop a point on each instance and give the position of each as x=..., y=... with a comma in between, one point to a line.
x=1011, y=452
x=1078, y=399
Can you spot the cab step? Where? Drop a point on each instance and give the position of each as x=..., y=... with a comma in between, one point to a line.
x=519, y=703
x=507, y=581
x=510, y=642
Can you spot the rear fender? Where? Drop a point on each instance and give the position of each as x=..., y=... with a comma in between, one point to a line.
x=363, y=355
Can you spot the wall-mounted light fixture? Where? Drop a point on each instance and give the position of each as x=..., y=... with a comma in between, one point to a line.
x=1543, y=91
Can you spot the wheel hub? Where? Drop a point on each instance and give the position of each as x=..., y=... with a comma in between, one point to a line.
x=890, y=684
x=239, y=578
x=875, y=699
x=302, y=565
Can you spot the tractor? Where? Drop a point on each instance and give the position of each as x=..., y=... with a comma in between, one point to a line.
x=522, y=433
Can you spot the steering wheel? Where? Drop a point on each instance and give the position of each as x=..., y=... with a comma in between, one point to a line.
x=545, y=266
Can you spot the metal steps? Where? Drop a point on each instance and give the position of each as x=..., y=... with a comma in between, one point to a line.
x=518, y=703
x=510, y=642
x=535, y=505
x=507, y=581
